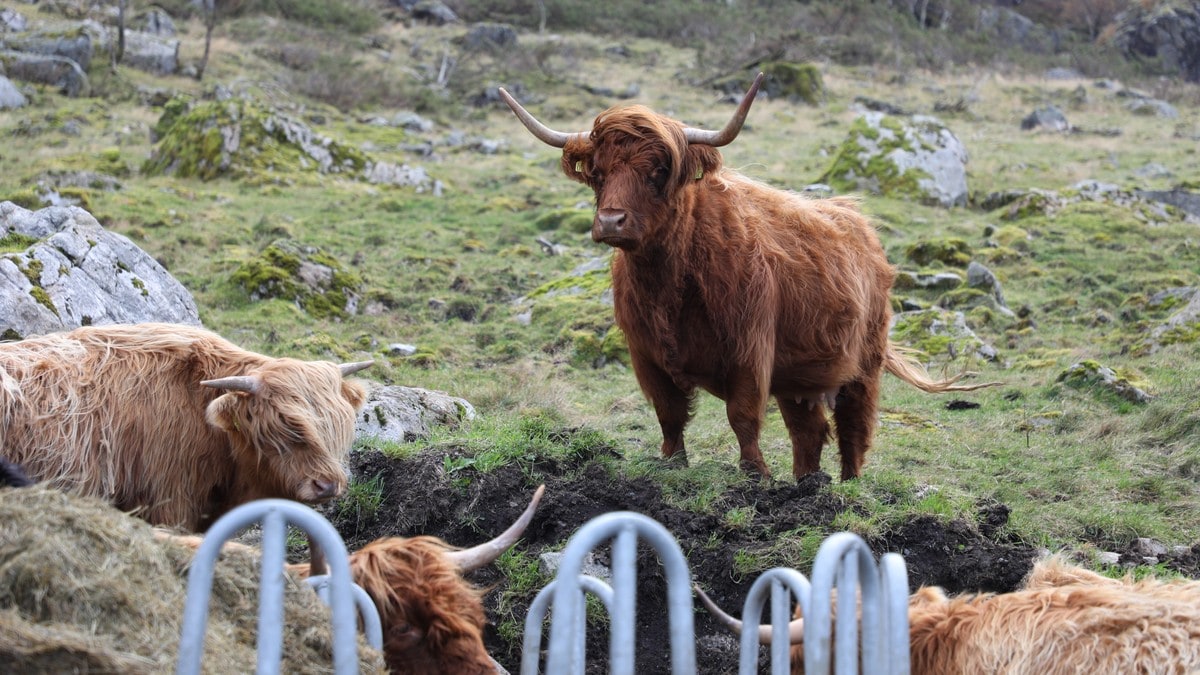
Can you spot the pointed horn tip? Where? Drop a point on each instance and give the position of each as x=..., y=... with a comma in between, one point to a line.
x=351, y=368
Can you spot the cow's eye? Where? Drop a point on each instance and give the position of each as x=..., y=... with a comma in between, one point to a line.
x=658, y=178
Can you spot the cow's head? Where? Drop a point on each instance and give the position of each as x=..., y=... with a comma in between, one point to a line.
x=291, y=424
x=432, y=618
x=637, y=162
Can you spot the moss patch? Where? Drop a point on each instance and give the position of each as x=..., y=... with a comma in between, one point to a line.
x=314, y=280
x=948, y=251
x=241, y=139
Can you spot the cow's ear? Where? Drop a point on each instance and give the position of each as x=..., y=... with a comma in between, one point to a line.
x=221, y=411
x=576, y=166
x=699, y=161
x=354, y=392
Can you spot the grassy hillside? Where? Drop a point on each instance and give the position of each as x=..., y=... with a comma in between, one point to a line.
x=445, y=270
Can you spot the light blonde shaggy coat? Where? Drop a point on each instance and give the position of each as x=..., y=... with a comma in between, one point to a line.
x=119, y=412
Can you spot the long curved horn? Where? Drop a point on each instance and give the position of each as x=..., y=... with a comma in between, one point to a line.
x=351, y=368
x=247, y=383
x=795, y=626
x=730, y=132
x=543, y=133
x=483, y=554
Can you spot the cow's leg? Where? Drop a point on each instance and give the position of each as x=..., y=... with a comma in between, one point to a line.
x=745, y=404
x=808, y=428
x=672, y=405
x=855, y=419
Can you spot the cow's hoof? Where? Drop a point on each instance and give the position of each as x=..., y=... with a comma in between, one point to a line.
x=758, y=472
x=678, y=459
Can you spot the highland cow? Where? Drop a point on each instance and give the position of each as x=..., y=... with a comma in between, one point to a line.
x=433, y=619
x=725, y=284
x=174, y=423
x=1066, y=619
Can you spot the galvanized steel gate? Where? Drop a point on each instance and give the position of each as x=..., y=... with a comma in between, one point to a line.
x=843, y=561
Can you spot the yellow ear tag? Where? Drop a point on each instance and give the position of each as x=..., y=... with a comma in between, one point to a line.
x=699, y=173
x=579, y=166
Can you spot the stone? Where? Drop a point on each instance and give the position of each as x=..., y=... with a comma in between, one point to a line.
x=405, y=414
x=10, y=96
x=76, y=273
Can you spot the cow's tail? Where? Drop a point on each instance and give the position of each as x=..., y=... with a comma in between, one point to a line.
x=901, y=362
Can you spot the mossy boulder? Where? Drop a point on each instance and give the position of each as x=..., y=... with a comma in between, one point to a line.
x=794, y=81
x=949, y=251
x=574, y=316
x=1089, y=374
x=239, y=138
x=316, y=281
x=939, y=333
x=914, y=158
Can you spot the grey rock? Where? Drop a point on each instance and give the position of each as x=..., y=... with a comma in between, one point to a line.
x=401, y=349
x=941, y=281
x=12, y=21
x=76, y=44
x=1101, y=375
x=952, y=325
x=412, y=121
x=1108, y=558
x=1152, y=107
x=979, y=276
x=1166, y=31
x=919, y=146
x=10, y=96
x=1009, y=27
x=403, y=175
x=55, y=71
x=550, y=561
x=433, y=12
x=156, y=22
x=1144, y=546
x=1047, y=117
x=78, y=273
x=151, y=52
x=1179, y=198
x=490, y=36
x=405, y=414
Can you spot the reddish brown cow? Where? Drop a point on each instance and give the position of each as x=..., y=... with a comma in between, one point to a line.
x=728, y=285
x=173, y=422
x=1065, y=620
x=433, y=619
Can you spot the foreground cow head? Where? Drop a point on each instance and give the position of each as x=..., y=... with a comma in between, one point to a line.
x=432, y=618
x=291, y=424
x=637, y=162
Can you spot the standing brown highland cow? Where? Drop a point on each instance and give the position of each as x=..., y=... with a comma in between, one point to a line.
x=743, y=290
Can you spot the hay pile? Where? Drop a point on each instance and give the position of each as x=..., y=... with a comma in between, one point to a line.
x=86, y=588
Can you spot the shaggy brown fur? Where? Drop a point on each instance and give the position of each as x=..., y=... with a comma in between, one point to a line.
x=432, y=618
x=118, y=412
x=728, y=285
x=1066, y=620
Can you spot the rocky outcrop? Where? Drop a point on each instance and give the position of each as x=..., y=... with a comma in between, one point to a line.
x=73, y=272
x=55, y=71
x=917, y=158
x=1168, y=32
